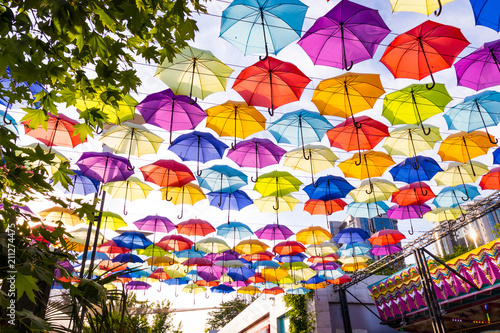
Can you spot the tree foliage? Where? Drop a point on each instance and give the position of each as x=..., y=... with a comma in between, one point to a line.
x=221, y=317
x=301, y=321
x=457, y=251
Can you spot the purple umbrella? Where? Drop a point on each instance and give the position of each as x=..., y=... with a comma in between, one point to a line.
x=105, y=167
x=347, y=34
x=324, y=266
x=155, y=223
x=385, y=250
x=407, y=213
x=256, y=153
x=273, y=232
x=171, y=112
x=481, y=68
x=137, y=285
x=226, y=255
x=211, y=273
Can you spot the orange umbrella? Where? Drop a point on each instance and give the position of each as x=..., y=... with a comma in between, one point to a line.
x=368, y=164
x=491, y=180
x=313, y=235
x=289, y=248
x=251, y=246
x=324, y=207
x=386, y=237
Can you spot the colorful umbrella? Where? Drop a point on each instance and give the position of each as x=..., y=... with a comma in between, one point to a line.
x=491, y=180
x=353, y=249
x=414, y=104
x=424, y=50
x=212, y=245
x=112, y=221
x=329, y=188
x=454, y=196
x=458, y=173
x=277, y=184
x=346, y=35
x=130, y=189
x=288, y=248
x=313, y=235
x=443, y=214
x=480, y=69
x=198, y=146
x=79, y=184
x=409, y=140
x=224, y=201
x=60, y=131
x=424, y=7
x=234, y=230
x=367, y=164
x=222, y=178
x=256, y=153
x=408, y=212
x=175, y=243
x=415, y=169
x=170, y=111
x=324, y=207
x=368, y=210
x=385, y=250
x=413, y=194
x=386, y=237
x=486, y=13
x=194, y=72
x=273, y=232
x=195, y=227
x=132, y=240
x=271, y=83
x=64, y=215
x=371, y=191
x=167, y=173
x=155, y=223
x=105, y=167
x=251, y=246
x=188, y=194
x=310, y=158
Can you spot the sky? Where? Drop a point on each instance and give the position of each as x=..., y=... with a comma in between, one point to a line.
x=457, y=13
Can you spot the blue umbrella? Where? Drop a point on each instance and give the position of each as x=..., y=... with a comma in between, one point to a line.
x=486, y=13
x=132, y=240
x=475, y=112
x=189, y=254
x=176, y=281
x=240, y=273
x=198, y=146
x=234, y=230
x=456, y=195
x=127, y=257
x=299, y=128
x=415, y=169
x=331, y=274
x=354, y=249
x=368, y=210
x=265, y=264
x=222, y=178
x=496, y=156
x=351, y=235
x=262, y=26
x=9, y=122
x=237, y=199
x=98, y=256
x=298, y=291
x=291, y=258
x=80, y=184
x=328, y=188
x=222, y=289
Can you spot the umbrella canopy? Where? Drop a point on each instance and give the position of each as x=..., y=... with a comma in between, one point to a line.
x=234, y=230
x=175, y=243
x=105, y=167
x=323, y=249
x=236, y=200
x=112, y=221
x=271, y=83
x=386, y=237
x=188, y=194
x=277, y=183
x=407, y=212
x=251, y=246
x=486, y=14
x=288, y=248
x=422, y=7
x=262, y=27
x=167, y=173
x=64, y=215
x=127, y=257
x=310, y=158
x=480, y=69
x=413, y=194
x=423, y=50
x=415, y=169
x=329, y=188
x=368, y=210
x=194, y=72
x=455, y=195
x=491, y=180
x=366, y=164
x=409, y=140
x=60, y=131
x=130, y=189
x=372, y=191
x=347, y=94
x=458, y=173
x=324, y=207
x=273, y=232
x=362, y=134
x=222, y=178
x=385, y=250
x=235, y=119
x=132, y=240
x=443, y=214
x=170, y=111
x=195, y=227
x=80, y=184
x=313, y=235
x=353, y=249
x=275, y=204
x=111, y=248
x=212, y=245
x=155, y=223
x=198, y=146
x=104, y=99
x=346, y=35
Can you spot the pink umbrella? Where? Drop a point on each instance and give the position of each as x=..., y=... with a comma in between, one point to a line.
x=407, y=213
x=385, y=250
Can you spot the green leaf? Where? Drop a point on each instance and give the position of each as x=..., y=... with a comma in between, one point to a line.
x=84, y=130
x=98, y=45
x=107, y=20
x=35, y=117
x=37, y=323
x=26, y=285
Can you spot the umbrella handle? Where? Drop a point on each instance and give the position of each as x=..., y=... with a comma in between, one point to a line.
x=98, y=130
x=130, y=167
x=182, y=213
x=270, y=111
x=274, y=301
x=199, y=172
x=176, y=294
x=5, y=120
x=317, y=297
x=411, y=231
x=233, y=145
x=426, y=132
x=439, y=10
x=207, y=296
x=348, y=68
x=358, y=163
x=262, y=58
x=193, y=101
x=433, y=82
x=422, y=191
x=277, y=205
x=125, y=207
x=370, y=225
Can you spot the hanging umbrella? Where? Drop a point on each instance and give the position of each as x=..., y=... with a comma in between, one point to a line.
x=251, y=246
x=127, y=258
x=248, y=290
x=367, y=164
x=222, y=178
x=424, y=50
x=409, y=140
x=132, y=240
x=79, y=184
x=277, y=184
x=346, y=35
x=491, y=180
x=271, y=83
x=167, y=173
x=480, y=69
x=486, y=13
x=273, y=232
x=194, y=72
x=195, y=227
x=385, y=250
x=153, y=251
x=414, y=104
x=235, y=119
x=347, y=94
x=237, y=200
x=386, y=237
x=455, y=195
x=462, y=146
x=64, y=215
x=212, y=245
x=329, y=188
x=475, y=112
x=170, y=111
x=371, y=191
x=60, y=131
x=155, y=223
x=257, y=27
x=353, y=249
x=424, y=7
x=222, y=289
x=105, y=167
x=137, y=285
x=408, y=212
x=324, y=207
x=198, y=146
x=288, y=248
x=299, y=128
x=112, y=221
x=415, y=169
x=188, y=194
x=362, y=134
x=323, y=249
x=310, y=158
x=313, y=235
x=458, y=173
x=413, y=194
x=234, y=230
x=51, y=167
x=367, y=210
x=111, y=248
x=130, y=189
x=275, y=204
x=175, y=243
x=163, y=261
x=256, y=153
x=291, y=258
x=443, y=214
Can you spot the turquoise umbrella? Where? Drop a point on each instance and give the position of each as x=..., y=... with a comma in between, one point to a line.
x=354, y=249
x=368, y=210
x=222, y=178
x=456, y=195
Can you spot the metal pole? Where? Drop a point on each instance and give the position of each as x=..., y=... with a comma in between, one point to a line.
x=344, y=309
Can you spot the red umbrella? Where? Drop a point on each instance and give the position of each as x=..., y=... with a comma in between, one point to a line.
x=423, y=50
x=413, y=194
x=175, y=243
x=111, y=248
x=323, y=260
x=195, y=227
x=258, y=256
x=60, y=132
x=341, y=280
x=289, y=248
x=386, y=237
x=361, y=134
x=491, y=180
x=271, y=83
x=167, y=173
x=324, y=207
x=257, y=278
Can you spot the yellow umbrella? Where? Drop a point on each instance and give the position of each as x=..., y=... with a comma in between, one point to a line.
x=458, y=173
x=212, y=245
x=78, y=234
x=273, y=274
x=193, y=289
x=268, y=204
x=371, y=191
x=131, y=189
x=176, y=271
x=443, y=214
x=354, y=259
x=310, y=158
x=64, y=215
x=131, y=139
x=314, y=286
x=323, y=249
x=71, y=246
x=165, y=260
x=302, y=274
x=425, y=7
x=115, y=111
x=347, y=94
x=152, y=250
x=112, y=221
x=56, y=161
x=463, y=146
x=249, y=290
x=188, y=194
x=410, y=140
x=194, y=72
x=366, y=164
x=352, y=267
x=251, y=246
x=313, y=235
x=235, y=119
